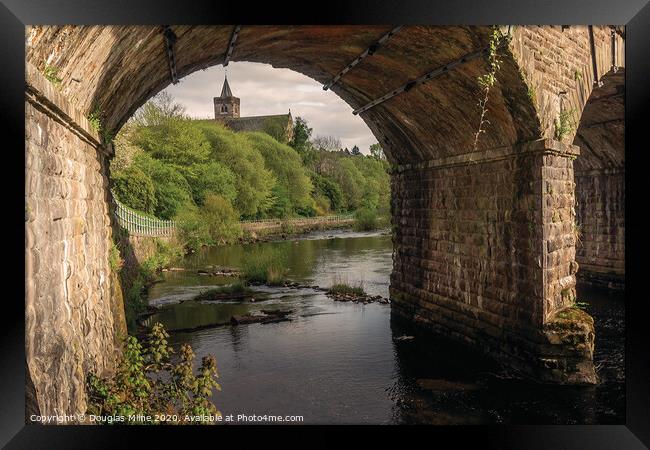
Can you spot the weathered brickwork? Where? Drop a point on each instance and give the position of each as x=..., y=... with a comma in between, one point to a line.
x=484, y=253
x=557, y=65
x=72, y=311
x=601, y=218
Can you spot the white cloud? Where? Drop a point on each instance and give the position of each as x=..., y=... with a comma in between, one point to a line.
x=266, y=90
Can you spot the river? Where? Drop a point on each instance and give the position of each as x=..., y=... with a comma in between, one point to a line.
x=347, y=363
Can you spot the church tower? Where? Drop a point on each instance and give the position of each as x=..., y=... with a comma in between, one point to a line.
x=226, y=106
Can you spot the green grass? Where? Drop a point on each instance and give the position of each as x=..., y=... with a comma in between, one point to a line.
x=344, y=288
x=237, y=287
x=52, y=75
x=267, y=266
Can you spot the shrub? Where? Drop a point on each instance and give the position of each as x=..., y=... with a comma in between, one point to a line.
x=287, y=168
x=114, y=259
x=253, y=180
x=171, y=188
x=221, y=219
x=135, y=189
x=266, y=266
x=365, y=220
x=330, y=189
x=192, y=230
x=135, y=301
x=165, y=254
x=148, y=383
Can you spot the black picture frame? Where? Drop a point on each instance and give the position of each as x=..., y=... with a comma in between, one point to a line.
x=634, y=14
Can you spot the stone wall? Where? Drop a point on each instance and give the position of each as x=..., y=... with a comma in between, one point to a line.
x=556, y=62
x=73, y=314
x=601, y=217
x=483, y=252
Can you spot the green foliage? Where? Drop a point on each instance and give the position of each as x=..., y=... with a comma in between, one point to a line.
x=286, y=165
x=114, y=259
x=281, y=203
x=135, y=301
x=582, y=305
x=377, y=152
x=168, y=166
x=267, y=266
x=165, y=255
x=191, y=229
x=176, y=140
x=564, y=124
x=276, y=127
x=301, y=135
x=253, y=180
x=135, y=189
x=345, y=288
x=95, y=119
x=147, y=382
x=212, y=177
x=487, y=80
x=366, y=220
x=351, y=181
x=52, y=74
x=221, y=218
x=330, y=189
x=171, y=188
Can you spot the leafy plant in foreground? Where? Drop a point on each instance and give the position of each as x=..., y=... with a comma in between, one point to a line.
x=149, y=383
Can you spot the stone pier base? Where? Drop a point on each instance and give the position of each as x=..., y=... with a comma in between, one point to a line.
x=484, y=252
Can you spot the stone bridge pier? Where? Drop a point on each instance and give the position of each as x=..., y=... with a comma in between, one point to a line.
x=488, y=235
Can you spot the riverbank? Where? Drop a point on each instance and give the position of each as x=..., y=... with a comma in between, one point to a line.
x=384, y=370
x=267, y=230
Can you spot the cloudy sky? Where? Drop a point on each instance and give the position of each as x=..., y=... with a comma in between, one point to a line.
x=265, y=90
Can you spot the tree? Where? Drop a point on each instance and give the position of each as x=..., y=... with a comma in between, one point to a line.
x=171, y=187
x=301, y=135
x=356, y=151
x=276, y=127
x=286, y=165
x=329, y=189
x=158, y=110
x=253, y=181
x=175, y=140
x=135, y=189
x=210, y=178
x=377, y=152
x=221, y=219
x=327, y=143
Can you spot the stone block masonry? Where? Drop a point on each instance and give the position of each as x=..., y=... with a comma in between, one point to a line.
x=484, y=253
x=601, y=218
x=72, y=311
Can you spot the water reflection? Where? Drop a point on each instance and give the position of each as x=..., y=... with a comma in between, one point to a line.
x=350, y=363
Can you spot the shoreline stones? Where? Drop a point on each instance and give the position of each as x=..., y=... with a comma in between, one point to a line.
x=220, y=271
x=356, y=298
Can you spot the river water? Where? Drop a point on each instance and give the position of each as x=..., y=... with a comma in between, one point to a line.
x=349, y=363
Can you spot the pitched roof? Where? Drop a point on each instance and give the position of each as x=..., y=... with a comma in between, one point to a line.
x=257, y=123
x=225, y=90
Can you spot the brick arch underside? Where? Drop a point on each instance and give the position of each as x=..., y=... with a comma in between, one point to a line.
x=600, y=183
x=114, y=70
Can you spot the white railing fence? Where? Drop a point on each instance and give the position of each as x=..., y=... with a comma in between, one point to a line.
x=139, y=224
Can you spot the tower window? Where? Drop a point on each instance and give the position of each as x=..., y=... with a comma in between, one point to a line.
x=224, y=108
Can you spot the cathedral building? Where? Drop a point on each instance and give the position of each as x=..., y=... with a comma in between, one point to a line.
x=226, y=111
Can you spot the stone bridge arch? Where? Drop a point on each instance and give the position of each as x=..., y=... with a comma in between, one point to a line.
x=484, y=237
